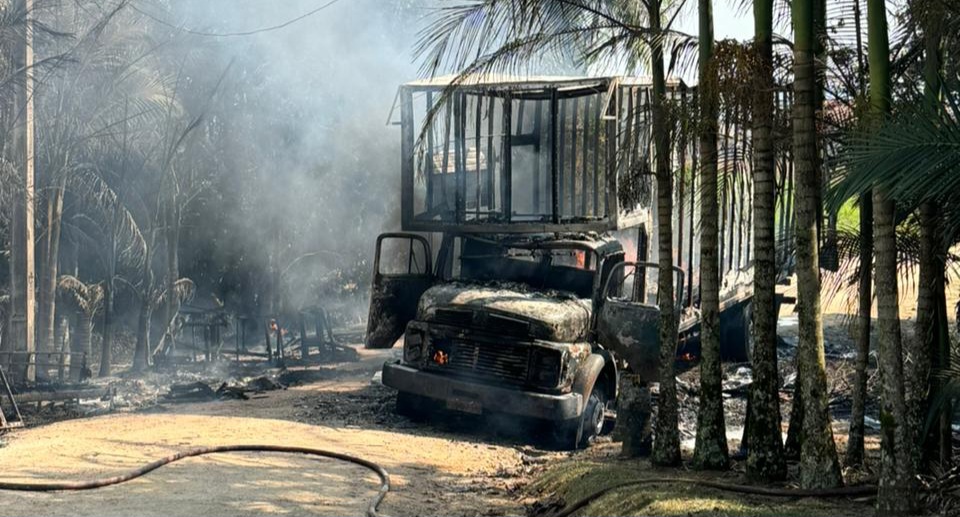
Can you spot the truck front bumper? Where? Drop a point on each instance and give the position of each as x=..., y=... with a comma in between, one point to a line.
x=472, y=397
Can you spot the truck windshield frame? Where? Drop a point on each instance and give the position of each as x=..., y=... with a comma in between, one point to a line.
x=570, y=267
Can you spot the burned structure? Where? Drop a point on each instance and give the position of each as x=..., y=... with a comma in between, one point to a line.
x=523, y=278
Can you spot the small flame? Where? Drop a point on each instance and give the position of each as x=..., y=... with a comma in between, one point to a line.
x=441, y=358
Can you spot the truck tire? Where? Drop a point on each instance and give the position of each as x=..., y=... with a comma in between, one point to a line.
x=414, y=407
x=578, y=433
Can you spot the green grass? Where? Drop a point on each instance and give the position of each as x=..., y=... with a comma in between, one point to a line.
x=573, y=480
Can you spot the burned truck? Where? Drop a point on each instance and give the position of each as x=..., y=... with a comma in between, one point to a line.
x=522, y=281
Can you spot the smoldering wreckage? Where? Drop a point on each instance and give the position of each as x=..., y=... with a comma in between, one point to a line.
x=522, y=285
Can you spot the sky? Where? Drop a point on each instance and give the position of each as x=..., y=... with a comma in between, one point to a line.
x=727, y=22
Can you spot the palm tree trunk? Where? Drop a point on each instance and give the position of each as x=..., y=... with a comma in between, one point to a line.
x=711, y=450
x=765, y=460
x=50, y=272
x=934, y=346
x=173, y=267
x=897, y=486
x=854, y=454
x=82, y=346
x=140, y=353
x=106, y=349
x=666, y=447
x=819, y=466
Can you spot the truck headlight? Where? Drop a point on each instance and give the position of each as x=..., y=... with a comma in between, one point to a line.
x=413, y=343
x=546, y=367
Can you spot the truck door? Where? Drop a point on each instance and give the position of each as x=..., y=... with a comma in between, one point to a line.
x=626, y=323
x=402, y=271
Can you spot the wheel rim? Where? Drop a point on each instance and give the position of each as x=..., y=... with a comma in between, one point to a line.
x=597, y=419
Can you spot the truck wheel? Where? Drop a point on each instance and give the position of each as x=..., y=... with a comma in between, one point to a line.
x=414, y=407
x=578, y=433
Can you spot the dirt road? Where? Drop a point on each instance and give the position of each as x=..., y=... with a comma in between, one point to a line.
x=453, y=470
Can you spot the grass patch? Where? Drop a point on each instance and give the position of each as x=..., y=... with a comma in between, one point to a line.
x=572, y=480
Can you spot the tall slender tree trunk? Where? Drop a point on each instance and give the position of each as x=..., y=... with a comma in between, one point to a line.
x=107, y=343
x=855, y=451
x=819, y=466
x=765, y=460
x=918, y=352
x=897, y=485
x=50, y=272
x=173, y=267
x=141, y=351
x=854, y=455
x=666, y=447
x=711, y=450
x=82, y=345
x=933, y=342
x=22, y=262
x=106, y=348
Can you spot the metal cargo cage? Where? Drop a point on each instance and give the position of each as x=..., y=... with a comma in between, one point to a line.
x=505, y=155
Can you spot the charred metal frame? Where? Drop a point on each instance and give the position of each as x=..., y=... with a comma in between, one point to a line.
x=593, y=147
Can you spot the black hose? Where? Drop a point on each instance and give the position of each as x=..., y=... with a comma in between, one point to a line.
x=851, y=491
x=54, y=486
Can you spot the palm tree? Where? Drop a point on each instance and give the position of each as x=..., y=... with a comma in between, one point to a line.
x=666, y=447
x=933, y=339
x=711, y=445
x=87, y=299
x=819, y=466
x=765, y=459
x=896, y=494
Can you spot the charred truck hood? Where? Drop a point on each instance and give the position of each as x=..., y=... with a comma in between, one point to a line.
x=508, y=310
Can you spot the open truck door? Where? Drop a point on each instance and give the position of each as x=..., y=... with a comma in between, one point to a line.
x=402, y=271
x=628, y=323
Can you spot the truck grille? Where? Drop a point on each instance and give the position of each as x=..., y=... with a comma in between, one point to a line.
x=487, y=361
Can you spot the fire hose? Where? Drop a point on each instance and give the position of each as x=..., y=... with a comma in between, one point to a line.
x=135, y=473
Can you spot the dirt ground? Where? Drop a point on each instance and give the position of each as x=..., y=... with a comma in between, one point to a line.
x=457, y=466
x=435, y=471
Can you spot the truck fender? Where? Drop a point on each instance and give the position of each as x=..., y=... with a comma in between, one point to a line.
x=595, y=366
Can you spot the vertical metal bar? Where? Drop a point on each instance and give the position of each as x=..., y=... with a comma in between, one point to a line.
x=612, y=164
x=458, y=138
x=506, y=187
x=537, y=176
x=445, y=161
x=476, y=151
x=554, y=158
x=407, y=165
x=462, y=177
x=429, y=156
x=586, y=147
x=522, y=103
x=560, y=152
x=491, y=159
x=573, y=157
x=597, y=121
